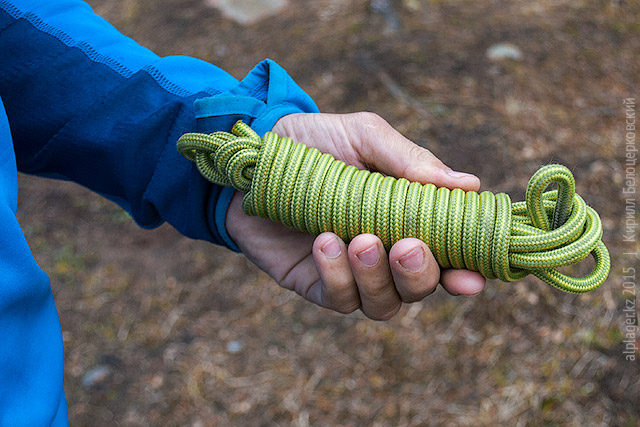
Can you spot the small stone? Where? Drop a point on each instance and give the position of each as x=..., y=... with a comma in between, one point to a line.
x=247, y=11
x=156, y=381
x=387, y=10
x=95, y=376
x=234, y=346
x=501, y=51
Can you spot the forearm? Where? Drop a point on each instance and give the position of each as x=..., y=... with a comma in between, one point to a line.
x=90, y=105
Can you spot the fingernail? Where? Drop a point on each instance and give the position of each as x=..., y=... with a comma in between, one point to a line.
x=456, y=174
x=413, y=260
x=369, y=257
x=331, y=249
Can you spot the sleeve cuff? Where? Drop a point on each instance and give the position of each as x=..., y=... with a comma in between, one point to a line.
x=264, y=96
x=220, y=215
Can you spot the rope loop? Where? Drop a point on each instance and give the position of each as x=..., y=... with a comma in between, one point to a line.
x=539, y=182
x=313, y=192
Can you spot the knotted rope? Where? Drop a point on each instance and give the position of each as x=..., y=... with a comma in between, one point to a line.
x=313, y=192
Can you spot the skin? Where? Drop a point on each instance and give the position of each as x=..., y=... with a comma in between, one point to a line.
x=361, y=275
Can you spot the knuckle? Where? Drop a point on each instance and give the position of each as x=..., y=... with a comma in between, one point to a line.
x=420, y=293
x=416, y=290
x=376, y=288
x=417, y=295
x=341, y=296
x=340, y=290
x=419, y=157
x=384, y=316
x=371, y=120
x=347, y=309
x=422, y=155
x=419, y=153
x=302, y=288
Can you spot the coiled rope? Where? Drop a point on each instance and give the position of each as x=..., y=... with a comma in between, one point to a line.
x=313, y=192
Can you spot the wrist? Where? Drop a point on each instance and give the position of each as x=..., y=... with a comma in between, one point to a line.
x=220, y=213
x=233, y=219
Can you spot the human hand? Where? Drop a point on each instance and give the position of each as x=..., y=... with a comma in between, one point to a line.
x=326, y=271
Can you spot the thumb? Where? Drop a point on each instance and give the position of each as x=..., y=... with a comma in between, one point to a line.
x=384, y=149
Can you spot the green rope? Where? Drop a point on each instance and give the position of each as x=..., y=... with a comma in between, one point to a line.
x=313, y=192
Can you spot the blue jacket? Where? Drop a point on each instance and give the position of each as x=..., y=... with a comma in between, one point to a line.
x=87, y=104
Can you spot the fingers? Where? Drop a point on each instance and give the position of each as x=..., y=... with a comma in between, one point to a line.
x=336, y=289
x=378, y=296
x=384, y=149
x=362, y=276
x=414, y=269
x=462, y=282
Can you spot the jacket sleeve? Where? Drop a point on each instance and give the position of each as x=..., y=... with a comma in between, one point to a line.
x=87, y=104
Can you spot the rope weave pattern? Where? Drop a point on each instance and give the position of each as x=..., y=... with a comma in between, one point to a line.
x=313, y=192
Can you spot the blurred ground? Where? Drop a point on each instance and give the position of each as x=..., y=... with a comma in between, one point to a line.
x=160, y=330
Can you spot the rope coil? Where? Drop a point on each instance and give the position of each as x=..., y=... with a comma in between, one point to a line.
x=313, y=192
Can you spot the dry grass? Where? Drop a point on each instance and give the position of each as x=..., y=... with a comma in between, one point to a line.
x=166, y=315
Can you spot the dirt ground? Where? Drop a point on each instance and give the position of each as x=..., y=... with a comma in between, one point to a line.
x=161, y=330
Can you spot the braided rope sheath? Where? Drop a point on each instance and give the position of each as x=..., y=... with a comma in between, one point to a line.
x=313, y=192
